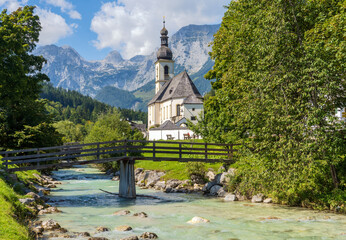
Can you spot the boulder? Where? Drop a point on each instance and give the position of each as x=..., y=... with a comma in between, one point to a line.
x=210, y=175
x=222, y=178
x=214, y=190
x=240, y=197
x=102, y=229
x=49, y=210
x=173, y=183
x=230, y=198
x=38, y=229
x=83, y=234
x=27, y=201
x=153, y=178
x=258, y=198
x=116, y=178
x=160, y=185
x=121, y=213
x=33, y=195
x=63, y=230
x=50, y=224
x=141, y=214
x=195, y=220
x=197, y=187
x=268, y=200
x=50, y=186
x=221, y=192
x=130, y=238
x=97, y=238
x=148, y=235
x=123, y=228
x=208, y=186
x=197, y=179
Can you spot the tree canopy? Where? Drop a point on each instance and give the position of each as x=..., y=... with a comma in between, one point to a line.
x=280, y=77
x=22, y=115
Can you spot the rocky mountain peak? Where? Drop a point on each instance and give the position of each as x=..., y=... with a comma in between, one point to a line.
x=114, y=57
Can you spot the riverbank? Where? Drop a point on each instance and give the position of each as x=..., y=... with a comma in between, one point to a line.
x=85, y=208
x=17, y=204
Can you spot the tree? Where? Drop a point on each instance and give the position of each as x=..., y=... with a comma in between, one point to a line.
x=20, y=77
x=112, y=127
x=280, y=76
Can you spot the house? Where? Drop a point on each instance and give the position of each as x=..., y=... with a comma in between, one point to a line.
x=176, y=96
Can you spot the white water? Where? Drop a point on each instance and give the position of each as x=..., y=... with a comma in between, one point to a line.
x=85, y=208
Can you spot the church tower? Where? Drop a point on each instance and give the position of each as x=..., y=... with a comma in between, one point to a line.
x=164, y=66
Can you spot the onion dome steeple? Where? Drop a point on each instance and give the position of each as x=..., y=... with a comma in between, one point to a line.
x=164, y=52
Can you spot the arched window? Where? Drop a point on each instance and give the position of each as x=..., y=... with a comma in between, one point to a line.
x=166, y=70
x=178, y=110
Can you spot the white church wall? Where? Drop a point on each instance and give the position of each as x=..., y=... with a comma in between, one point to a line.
x=177, y=134
x=160, y=69
x=175, y=102
x=191, y=110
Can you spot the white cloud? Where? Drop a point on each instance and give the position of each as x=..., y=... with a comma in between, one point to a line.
x=12, y=5
x=54, y=27
x=65, y=6
x=133, y=26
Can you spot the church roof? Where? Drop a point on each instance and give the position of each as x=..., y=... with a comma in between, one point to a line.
x=180, y=86
x=168, y=125
x=192, y=99
x=164, y=53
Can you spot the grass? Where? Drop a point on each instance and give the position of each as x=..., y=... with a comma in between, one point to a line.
x=174, y=170
x=12, y=212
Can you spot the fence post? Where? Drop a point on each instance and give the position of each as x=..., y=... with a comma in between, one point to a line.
x=231, y=154
x=6, y=161
x=38, y=153
x=180, y=155
x=206, y=150
x=125, y=146
x=154, y=154
x=98, y=151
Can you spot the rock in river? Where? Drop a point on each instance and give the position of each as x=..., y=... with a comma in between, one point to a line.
x=141, y=214
x=257, y=198
x=121, y=213
x=230, y=198
x=123, y=228
x=130, y=238
x=195, y=220
x=50, y=225
x=148, y=235
x=102, y=229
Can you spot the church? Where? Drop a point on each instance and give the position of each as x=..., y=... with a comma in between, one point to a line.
x=176, y=98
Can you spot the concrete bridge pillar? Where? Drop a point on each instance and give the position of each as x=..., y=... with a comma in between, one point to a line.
x=127, y=186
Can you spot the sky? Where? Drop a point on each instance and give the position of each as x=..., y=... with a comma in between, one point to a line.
x=94, y=27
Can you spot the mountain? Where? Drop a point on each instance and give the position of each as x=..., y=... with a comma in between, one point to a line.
x=67, y=69
x=117, y=97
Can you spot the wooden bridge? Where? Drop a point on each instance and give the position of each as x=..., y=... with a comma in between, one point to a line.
x=124, y=151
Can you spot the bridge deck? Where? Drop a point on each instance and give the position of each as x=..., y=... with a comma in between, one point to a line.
x=100, y=152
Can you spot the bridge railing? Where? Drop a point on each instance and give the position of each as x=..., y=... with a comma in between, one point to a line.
x=100, y=152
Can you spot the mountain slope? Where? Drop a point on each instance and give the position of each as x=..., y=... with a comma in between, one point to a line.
x=67, y=69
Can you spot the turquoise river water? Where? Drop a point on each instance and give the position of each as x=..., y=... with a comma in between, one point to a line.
x=84, y=207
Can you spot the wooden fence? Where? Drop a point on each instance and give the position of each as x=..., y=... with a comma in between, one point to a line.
x=101, y=152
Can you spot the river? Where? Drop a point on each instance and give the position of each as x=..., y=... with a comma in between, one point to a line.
x=84, y=207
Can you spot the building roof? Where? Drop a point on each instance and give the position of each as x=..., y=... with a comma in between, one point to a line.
x=180, y=86
x=192, y=99
x=168, y=125
x=164, y=53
